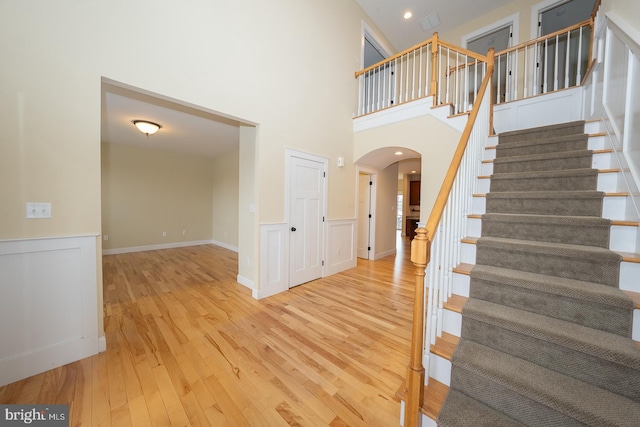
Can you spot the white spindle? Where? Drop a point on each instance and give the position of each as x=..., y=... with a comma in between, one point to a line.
x=499, y=80
x=544, y=65
x=526, y=72
x=448, y=76
x=515, y=76
x=555, y=65
x=579, y=71
x=456, y=96
x=566, y=65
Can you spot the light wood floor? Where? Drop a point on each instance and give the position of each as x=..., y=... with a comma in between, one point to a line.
x=187, y=345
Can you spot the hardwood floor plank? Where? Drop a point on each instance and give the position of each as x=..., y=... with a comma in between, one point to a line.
x=188, y=345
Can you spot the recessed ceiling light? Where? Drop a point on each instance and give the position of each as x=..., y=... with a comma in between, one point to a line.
x=413, y=171
x=408, y=14
x=399, y=153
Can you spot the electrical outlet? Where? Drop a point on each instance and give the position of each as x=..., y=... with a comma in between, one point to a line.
x=184, y=232
x=164, y=234
x=106, y=237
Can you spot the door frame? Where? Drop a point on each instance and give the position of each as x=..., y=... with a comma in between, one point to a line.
x=372, y=202
x=289, y=154
x=512, y=21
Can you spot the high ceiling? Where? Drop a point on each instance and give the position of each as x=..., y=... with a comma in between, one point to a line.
x=404, y=33
x=190, y=130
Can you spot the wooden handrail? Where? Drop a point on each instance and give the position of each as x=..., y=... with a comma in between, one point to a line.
x=543, y=38
x=464, y=51
x=433, y=39
x=447, y=184
x=420, y=257
x=391, y=58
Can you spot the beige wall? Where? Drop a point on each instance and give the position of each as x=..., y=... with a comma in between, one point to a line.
x=223, y=56
x=225, y=198
x=386, y=203
x=433, y=139
x=147, y=192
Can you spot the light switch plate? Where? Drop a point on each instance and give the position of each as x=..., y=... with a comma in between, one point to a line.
x=38, y=210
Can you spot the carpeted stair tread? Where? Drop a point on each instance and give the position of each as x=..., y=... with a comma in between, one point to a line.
x=461, y=410
x=546, y=161
x=533, y=394
x=558, y=298
x=568, y=350
x=553, y=180
x=603, y=345
x=578, y=262
x=547, y=145
x=584, y=230
x=574, y=203
x=569, y=128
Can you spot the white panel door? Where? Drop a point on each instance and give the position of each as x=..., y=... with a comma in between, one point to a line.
x=364, y=215
x=306, y=220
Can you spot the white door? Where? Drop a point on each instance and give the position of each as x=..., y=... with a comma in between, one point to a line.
x=364, y=215
x=306, y=220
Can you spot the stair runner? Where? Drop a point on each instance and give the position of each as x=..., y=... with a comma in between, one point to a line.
x=545, y=332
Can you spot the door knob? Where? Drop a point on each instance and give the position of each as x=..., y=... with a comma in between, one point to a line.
x=293, y=229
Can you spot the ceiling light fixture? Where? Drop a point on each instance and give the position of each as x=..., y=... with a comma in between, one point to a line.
x=408, y=14
x=146, y=127
x=398, y=153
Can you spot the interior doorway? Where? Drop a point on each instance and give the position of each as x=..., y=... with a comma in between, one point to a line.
x=307, y=201
x=365, y=214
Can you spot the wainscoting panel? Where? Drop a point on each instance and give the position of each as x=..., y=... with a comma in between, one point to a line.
x=341, y=246
x=48, y=304
x=559, y=107
x=274, y=242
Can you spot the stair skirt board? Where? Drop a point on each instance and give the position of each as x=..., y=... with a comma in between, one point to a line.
x=545, y=336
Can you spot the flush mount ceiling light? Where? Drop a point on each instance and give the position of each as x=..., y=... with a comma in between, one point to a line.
x=146, y=127
x=398, y=153
x=408, y=14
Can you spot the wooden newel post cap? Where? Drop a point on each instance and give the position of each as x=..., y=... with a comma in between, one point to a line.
x=419, y=247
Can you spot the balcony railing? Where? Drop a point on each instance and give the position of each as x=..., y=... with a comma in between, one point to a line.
x=546, y=64
x=435, y=68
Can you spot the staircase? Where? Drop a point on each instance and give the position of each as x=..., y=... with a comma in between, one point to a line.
x=545, y=333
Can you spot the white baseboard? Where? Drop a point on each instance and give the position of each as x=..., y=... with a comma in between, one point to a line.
x=158, y=247
x=102, y=344
x=245, y=281
x=226, y=246
x=385, y=254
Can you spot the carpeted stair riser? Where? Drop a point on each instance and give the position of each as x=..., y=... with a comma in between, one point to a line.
x=558, y=345
x=608, y=318
x=551, y=145
x=573, y=230
x=462, y=408
x=573, y=128
x=565, y=160
x=506, y=400
x=545, y=337
x=569, y=261
x=535, y=395
x=579, y=203
x=574, y=180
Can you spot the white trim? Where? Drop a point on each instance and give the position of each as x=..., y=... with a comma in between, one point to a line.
x=512, y=21
x=341, y=241
x=373, y=175
x=50, y=294
x=224, y=245
x=410, y=110
x=537, y=9
x=274, y=261
x=367, y=32
x=289, y=153
x=245, y=282
x=384, y=254
x=102, y=344
x=164, y=246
